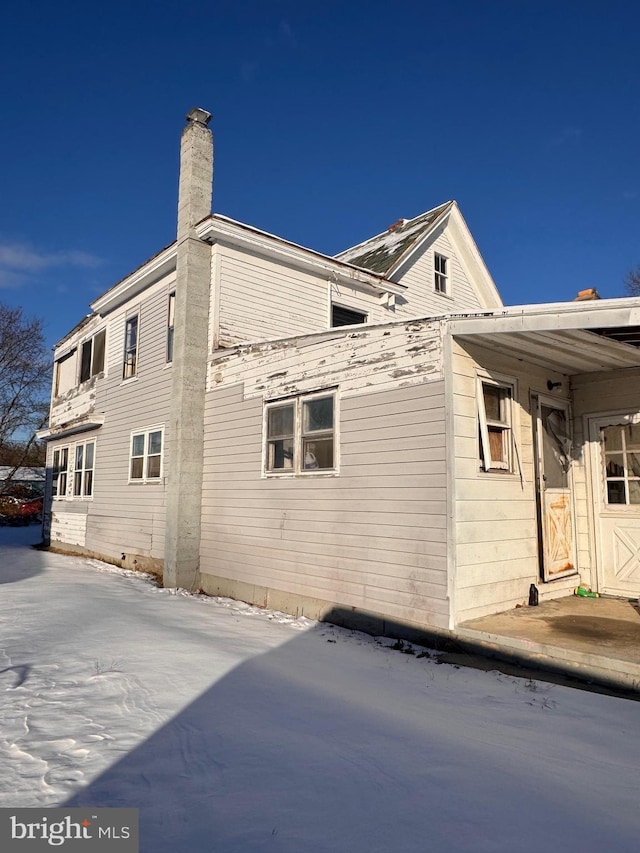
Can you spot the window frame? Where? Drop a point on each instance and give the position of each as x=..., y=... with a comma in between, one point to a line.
x=90, y=343
x=171, y=316
x=625, y=451
x=340, y=306
x=83, y=470
x=145, y=455
x=506, y=425
x=300, y=435
x=130, y=353
x=58, y=472
x=61, y=360
x=441, y=274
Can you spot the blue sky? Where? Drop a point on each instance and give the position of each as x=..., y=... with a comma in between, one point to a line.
x=331, y=121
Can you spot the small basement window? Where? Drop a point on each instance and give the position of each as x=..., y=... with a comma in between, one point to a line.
x=495, y=425
x=341, y=316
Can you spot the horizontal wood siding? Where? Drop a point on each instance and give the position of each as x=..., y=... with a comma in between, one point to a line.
x=496, y=552
x=371, y=537
x=259, y=299
x=69, y=528
x=421, y=298
x=127, y=517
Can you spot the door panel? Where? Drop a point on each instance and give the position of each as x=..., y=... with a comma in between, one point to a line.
x=616, y=472
x=553, y=483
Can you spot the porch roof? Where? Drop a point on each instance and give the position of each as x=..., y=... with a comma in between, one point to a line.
x=570, y=337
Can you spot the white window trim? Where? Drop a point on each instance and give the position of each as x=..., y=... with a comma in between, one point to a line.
x=484, y=450
x=82, y=496
x=298, y=470
x=145, y=457
x=69, y=493
x=441, y=276
x=91, y=340
x=58, y=496
x=171, y=327
x=346, y=307
x=134, y=375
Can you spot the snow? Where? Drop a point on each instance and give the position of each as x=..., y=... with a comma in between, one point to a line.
x=237, y=729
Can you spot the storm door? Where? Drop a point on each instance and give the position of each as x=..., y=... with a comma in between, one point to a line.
x=552, y=440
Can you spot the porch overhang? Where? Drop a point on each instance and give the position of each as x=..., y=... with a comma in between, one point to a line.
x=65, y=430
x=570, y=338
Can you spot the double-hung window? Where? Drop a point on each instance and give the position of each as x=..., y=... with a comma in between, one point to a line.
x=130, y=363
x=300, y=435
x=92, y=356
x=170, y=326
x=495, y=419
x=440, y=273
x=60, y=472
x=83, y=469
x=146, y=455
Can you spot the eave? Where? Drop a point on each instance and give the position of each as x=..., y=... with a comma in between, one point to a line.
x=221, y=229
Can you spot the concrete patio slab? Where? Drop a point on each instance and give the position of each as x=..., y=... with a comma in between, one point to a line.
x=596, y=640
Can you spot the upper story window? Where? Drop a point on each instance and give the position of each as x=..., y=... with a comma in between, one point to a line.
x=130, y=364
x=440, y=273
x=65, y=373
x=170, y=325
x=495, y=425
x=300, y=435
x=146, y=455
x=92, y=356
x=341, y=316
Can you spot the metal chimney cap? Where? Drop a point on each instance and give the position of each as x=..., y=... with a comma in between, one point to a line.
x=198, y=115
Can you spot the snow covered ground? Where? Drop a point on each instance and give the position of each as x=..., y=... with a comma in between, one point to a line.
x=237, y=730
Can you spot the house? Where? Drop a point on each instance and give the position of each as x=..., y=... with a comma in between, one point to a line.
x=371, y=438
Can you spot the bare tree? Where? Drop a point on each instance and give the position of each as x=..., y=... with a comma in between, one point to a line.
x=24, y=381
x=632, y=282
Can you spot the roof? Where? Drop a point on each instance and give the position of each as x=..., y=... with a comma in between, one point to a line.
x=384, y=251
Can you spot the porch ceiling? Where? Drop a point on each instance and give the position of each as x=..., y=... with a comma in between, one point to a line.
x=568, y=351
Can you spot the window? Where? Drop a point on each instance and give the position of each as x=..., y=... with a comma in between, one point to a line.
x=83, y=469
x=130, y=367
x=494, y=423
x=440, y=278
x=621, y=456
x=341, y=316
x=170, y=324
x=65, y=374
x=146, y=455
x=92, y=356
x=60, y=472
x=300, y=435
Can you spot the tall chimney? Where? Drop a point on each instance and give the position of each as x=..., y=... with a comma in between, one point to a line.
x=185, y=432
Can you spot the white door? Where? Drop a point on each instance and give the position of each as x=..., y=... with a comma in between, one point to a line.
x=553, y=487
x=616, y=489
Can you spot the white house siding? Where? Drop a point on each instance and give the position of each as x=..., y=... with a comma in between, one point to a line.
x=422, y=299
x=123, y=517
x=372, y=537
x=596, y=394
x=260, y=299
x=496, y=544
